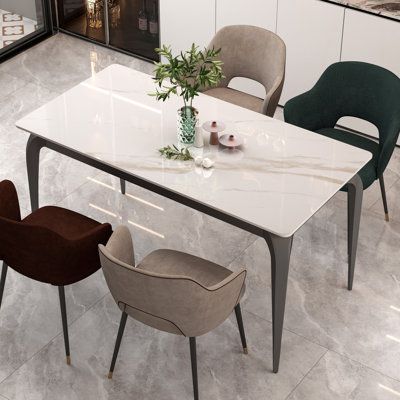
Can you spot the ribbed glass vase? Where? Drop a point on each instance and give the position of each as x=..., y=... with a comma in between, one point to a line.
x=186, y=124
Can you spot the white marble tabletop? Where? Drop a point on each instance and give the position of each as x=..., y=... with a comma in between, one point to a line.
x=280, y=177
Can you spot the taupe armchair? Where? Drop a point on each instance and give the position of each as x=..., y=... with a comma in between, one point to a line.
x=254, y=53
x=171, y=291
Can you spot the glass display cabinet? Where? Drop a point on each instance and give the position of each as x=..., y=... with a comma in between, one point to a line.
x=128, y=25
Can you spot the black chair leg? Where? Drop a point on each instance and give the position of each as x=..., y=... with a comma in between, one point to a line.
x=239, y=319
x=121, y=329
x=61, y=293
x=383, y=191
x=193, y=358
x=123, y=186
x=3, y=280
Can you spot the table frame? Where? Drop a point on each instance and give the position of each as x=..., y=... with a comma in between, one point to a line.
x=279, y=247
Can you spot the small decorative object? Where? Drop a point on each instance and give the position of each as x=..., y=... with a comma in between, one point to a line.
x=230, y=140
x=198, y=161
x=207, y=163
x=173, y=153
x=198, y=138
x=214, y=127
x=187, y=73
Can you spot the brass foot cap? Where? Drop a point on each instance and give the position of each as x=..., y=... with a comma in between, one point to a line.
x=110, y=374
x=245, y=351
x=68, y=360
x=387, y=217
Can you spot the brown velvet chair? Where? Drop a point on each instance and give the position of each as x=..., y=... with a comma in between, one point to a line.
x=254, y=53
x=51, y=245
x=171, y=291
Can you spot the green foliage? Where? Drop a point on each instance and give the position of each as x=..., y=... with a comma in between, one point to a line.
x=173, y=153
x=189, y=72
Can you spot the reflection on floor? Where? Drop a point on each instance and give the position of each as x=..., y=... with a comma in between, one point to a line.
x=337, y=345
x=14, y=27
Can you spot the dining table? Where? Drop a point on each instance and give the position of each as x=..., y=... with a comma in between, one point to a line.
x=270, y=185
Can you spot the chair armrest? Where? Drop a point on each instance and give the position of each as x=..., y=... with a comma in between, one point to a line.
x=272, y=97
x=9, y=204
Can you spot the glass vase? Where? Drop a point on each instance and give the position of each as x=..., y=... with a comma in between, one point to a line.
x=186, y=125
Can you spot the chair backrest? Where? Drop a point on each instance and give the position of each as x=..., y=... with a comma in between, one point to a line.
x=175, y=304
x=30, y=249
x=361, y=90
x=254, y=53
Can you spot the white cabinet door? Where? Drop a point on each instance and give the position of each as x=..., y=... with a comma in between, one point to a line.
x=312, y=31
x=370, y=39
x=261, y=13
x=183, y=22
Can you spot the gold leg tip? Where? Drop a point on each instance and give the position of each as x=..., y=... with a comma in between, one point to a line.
x=110, y=374
x=68, y=360
x=387, y=217
x=245, y=351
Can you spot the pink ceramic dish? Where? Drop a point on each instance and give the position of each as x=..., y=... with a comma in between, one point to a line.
x=231, y=140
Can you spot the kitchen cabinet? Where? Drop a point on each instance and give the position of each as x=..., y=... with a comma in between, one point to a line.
x=371, y=39
x=312, y=31
x=183, y=22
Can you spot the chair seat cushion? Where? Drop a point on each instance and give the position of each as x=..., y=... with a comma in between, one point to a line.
x=66, y=223
x=171, y=262
x=237, y=97
x=368, y=173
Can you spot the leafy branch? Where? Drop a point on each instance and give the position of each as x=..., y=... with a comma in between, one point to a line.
x=173, y=153
x=188, y=72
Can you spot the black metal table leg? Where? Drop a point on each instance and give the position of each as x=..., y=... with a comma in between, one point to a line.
x=280, y=249
x=33, y=148
x=354, y=204
x=123, y=186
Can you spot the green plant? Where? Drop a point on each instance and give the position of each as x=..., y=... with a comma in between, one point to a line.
x=190, y=71
x=173, y=153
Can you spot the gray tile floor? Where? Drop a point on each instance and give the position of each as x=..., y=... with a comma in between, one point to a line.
x=337, y=344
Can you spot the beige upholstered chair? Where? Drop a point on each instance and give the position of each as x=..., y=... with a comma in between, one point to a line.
x=254, y=53
x=170, y=291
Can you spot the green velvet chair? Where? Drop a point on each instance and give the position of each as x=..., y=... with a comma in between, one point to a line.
x=359, y=90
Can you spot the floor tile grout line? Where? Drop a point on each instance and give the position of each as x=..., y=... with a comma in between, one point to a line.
x=242, y=252
x=364, y=365
x=305, y=376
x=387, y=191
x=85, y=182
x=324, y=347
x=51, y=340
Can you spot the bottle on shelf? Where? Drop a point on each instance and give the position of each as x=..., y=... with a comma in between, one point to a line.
x=153, y=20
x=142, y=18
